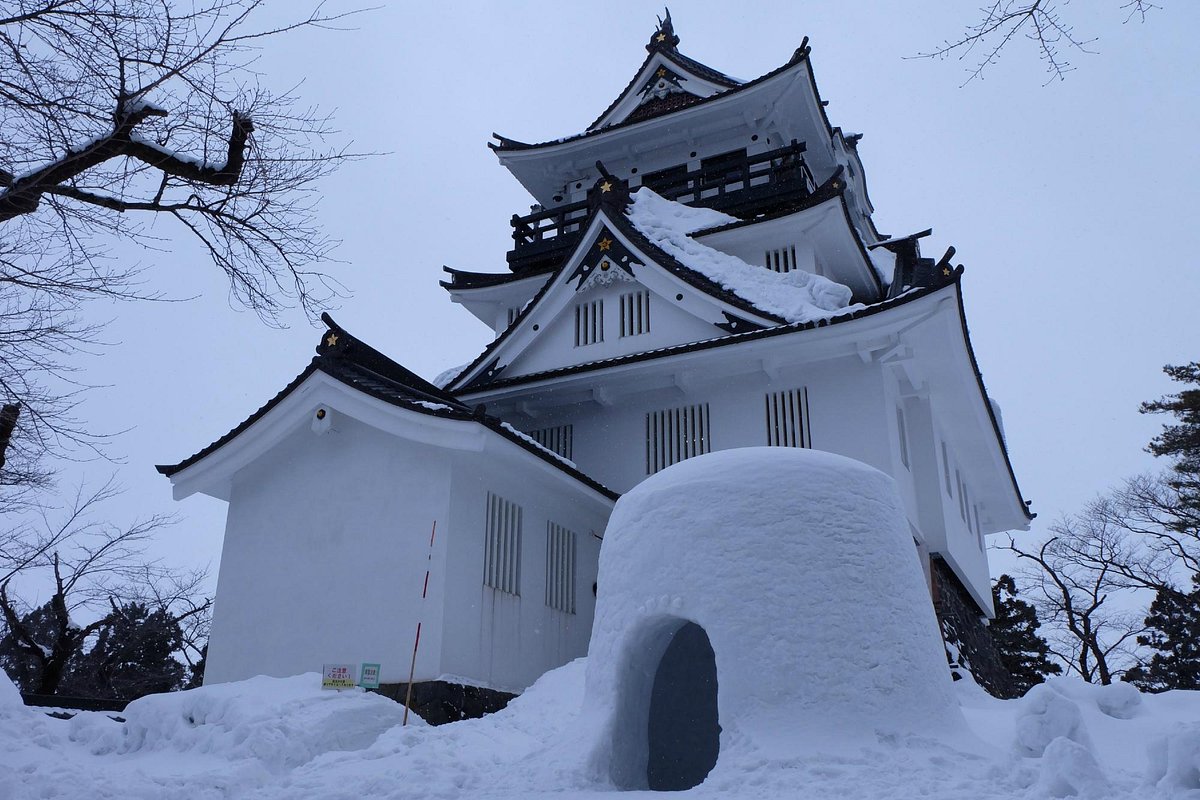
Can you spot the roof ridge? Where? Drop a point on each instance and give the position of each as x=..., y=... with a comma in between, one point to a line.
x=508, y=144
x=338, y=344
x=849, y=314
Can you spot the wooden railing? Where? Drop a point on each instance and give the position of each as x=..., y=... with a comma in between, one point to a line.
x=738, y=184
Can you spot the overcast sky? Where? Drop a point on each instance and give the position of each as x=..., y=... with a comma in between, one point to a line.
x=1071, y=205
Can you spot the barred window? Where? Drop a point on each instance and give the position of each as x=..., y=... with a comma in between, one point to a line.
x=676, y=434
x=589, y=323
x=558, y=439
x=635, y=313
x=560, y=568
x=502, y=545
x=782, y=259
x=787, y=418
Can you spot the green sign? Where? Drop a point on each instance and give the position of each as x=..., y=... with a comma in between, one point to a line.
x=368, y=676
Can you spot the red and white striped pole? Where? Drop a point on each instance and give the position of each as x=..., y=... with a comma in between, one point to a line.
x=412, y=667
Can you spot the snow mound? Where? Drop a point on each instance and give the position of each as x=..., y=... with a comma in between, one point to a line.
x=1118, y=700
x=279, y=722
x=1175, y=761
x=10, y=696
x=812, y=599
x=1044, y=716
x=796, y=296
x=1070, y=770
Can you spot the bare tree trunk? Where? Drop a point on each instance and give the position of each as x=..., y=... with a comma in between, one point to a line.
x=8, y=421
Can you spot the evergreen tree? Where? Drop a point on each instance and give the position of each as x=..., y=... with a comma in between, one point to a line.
x=196, y=672
x=40, y=646
x=1181, y=442
x=1014, y=631
x=41, y=631
x=1174, y=632
x=132, y=657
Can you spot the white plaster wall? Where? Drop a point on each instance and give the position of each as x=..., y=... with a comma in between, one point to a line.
x=846, y=402
x=554, y=345
x=904, y=475
x=962, y=547
x=498, y=639
x=927, y=475
x=324, y=556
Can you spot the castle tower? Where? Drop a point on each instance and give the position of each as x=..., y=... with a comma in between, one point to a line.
x=699, y=271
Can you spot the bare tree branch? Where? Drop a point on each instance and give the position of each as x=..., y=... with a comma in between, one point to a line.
x=118, y=113
x=1039, y=21
x=96, y=569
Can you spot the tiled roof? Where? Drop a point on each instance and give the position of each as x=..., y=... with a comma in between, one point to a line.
x=359, y=366
x=507, y=144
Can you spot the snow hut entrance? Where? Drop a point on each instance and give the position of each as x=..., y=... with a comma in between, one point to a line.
x=683, y=737
x=667, y=736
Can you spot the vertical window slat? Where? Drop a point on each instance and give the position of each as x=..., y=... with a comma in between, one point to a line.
x=635, y=313
x=559, y=439
x=786, y=417
x=807, y=417
x=676, y=434
x=946, y=470
x=589, y=323
x=502, y=545
x=560, y=568
x=782, y=259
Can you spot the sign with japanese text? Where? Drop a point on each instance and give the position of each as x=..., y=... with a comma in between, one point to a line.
x=338, y=676
x=368, y=676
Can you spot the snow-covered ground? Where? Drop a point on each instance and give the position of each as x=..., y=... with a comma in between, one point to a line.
x=285, y=738
x=808, y=706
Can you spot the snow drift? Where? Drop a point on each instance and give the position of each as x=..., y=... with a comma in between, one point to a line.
x=279, y=722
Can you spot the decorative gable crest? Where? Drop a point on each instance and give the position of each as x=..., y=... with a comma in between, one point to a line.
x=663, y=82
x=607, y=261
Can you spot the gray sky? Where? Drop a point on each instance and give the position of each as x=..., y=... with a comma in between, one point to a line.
x=1070, y=205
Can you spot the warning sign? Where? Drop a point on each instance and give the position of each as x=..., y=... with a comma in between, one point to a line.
x=338, y=676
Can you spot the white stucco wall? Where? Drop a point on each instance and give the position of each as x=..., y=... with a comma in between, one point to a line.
x=324, y=556
x=327, y=545
x=845, y=395
x=671, y=323
x=503, y=640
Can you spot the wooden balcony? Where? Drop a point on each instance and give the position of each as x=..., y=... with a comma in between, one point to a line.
x=734, y=183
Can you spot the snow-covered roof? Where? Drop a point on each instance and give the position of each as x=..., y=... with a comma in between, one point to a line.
x=666, y=80
x=795, y=296
x=505, y=143
x=659, y=231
